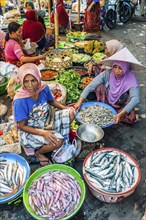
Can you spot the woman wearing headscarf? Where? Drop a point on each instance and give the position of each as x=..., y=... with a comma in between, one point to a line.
x=33, y=29
x=111, y=47
x=13, y=47
x=32, y=106
x=121, y=88
x=63, y=17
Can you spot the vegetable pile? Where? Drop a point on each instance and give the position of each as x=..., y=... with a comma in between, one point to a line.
x=81, y=58
x=70, y=79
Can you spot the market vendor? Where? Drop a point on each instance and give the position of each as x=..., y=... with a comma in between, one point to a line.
x=31, y=110
x=117, y=86
x=13, y=47
x=111, y=47
x=63, y=17
x=33, y=29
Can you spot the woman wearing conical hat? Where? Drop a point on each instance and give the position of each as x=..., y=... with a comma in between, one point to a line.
x=117, y=86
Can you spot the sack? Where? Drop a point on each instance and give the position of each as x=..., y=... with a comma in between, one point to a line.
x=49, y=125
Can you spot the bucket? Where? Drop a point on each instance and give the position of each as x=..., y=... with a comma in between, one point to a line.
x=78, y=26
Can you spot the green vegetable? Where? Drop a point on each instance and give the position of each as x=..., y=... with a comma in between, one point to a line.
x=74, y=125
x=98, y=56
x=70, y=79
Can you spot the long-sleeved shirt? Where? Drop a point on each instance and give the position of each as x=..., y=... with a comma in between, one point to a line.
x=103, y=78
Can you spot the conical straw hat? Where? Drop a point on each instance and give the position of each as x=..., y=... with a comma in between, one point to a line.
x=126, y=56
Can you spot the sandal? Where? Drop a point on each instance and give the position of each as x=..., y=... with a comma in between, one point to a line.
x=35, y=160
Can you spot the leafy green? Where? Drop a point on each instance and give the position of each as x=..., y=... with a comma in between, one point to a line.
x=70, y=79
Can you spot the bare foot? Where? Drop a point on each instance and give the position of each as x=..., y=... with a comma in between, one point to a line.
x=42, y=159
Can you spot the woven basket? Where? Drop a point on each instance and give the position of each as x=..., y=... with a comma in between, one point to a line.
x=51, y=54
x=62, y=99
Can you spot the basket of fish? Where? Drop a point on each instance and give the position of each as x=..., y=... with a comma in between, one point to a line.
x=54, y=192
x=111, y=174
x=13, y=174
x=96, y=113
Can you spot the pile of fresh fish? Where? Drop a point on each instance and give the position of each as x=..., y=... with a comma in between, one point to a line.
x=54, y=195
x=96, y=114
x=110, y=171
x=12, y=177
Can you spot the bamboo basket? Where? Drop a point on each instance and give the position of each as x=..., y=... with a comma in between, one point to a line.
x=51, y=54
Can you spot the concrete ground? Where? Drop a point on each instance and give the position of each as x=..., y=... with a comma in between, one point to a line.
x=129, y=138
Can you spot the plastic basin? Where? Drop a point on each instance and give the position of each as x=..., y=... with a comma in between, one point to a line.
x=45, y=169
x=109, y=197
x=3, y=86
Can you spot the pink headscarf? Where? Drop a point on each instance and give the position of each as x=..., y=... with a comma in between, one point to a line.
x=113, y=46
x=32, y=69
x=119, y=86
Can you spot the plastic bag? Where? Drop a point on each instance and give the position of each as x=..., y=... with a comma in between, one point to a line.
x=27, y=45
x=64, y=153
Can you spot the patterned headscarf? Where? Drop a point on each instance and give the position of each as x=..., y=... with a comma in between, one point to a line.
x=32, y=69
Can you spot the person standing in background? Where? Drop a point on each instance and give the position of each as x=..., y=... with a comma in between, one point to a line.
x=92, y=16
x=142, y=5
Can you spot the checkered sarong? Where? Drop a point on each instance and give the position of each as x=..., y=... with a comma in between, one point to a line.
x=62, y=122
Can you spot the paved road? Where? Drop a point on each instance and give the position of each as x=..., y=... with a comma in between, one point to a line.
x=131, y=139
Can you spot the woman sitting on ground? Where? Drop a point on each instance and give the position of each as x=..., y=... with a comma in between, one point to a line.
x=117, y=86
x=111, y=47
x=32, y=108
x=13, y=47
x=33, y=29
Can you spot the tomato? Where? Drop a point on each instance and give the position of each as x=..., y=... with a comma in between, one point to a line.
x=1, y=132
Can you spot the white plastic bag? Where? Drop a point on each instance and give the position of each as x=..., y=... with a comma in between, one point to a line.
x=64, y=153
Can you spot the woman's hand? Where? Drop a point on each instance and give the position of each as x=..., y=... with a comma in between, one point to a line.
x=77, y=106
x=119, y=116
x=50, y=137
x=90, y=68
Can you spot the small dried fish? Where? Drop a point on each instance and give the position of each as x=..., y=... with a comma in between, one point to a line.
x=96, y=114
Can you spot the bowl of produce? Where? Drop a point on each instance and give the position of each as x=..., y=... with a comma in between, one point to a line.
x=93, y=46
x=98, y=56
x=80, y=58
x=85, y=81
x=58, y=59
x=61, y=196
x=89, y=133
x=47, y=74
x=65, y=45
x=97, y=113
x=111, y=174
x=78, y=69
x=76, y=35
x=3, y=86
x=14, y=173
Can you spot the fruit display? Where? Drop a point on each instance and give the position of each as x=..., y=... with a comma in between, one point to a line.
x=93, y=47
